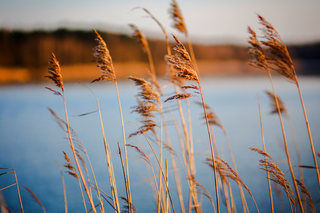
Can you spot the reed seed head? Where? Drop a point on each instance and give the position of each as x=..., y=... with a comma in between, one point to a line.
x=282, y=107
x=280, y=56
x=179, y=96
x=147, y=91
x=182, y=62
x=177, y=17
x=54, y=71
x=69, y=165
x=148, y=125
x=306, y=192
x=256, y=52
x=139, y=37
x=143, y=155
x=212, y=117
x=277, y=176
x=103, y=60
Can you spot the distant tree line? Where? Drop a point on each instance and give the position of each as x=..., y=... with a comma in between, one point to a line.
x=32, y=49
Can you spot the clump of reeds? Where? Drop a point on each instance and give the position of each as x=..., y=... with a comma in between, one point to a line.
x=261, y=61
x=281, y=62
x=183, y=65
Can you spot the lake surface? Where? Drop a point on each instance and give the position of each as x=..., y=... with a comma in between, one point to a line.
x=32, y=141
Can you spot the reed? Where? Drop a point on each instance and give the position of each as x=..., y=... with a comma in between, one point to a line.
x=282, y=64
x=55, y=75
x=104, y=62
x=182, y=62
x=259, y=60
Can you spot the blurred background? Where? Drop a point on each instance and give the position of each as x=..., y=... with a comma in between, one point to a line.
x=30, y=30
x=31, y=141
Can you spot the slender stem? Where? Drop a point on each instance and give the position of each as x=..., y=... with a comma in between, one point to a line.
x=309, y=133
x=64, y=190
x=75, y=156
x=15, y=175
x=299, y=158
x=211, y=146
x=125, y=151
x=286, y=145
x=265, y=157
x=243, y=199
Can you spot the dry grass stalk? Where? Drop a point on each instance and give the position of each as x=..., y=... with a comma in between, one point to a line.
x=305, y=191
x=265, y=156
x=64, y=189
x=213, y=119
x=103, y=60
x=283, y=64
x=284, y=111
x=35, y=197
x=257, y=59
x=182, y=62
x=277, y=176
x=55, y=74
x=225, y=170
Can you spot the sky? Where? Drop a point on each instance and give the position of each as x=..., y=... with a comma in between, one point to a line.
x=207, y=21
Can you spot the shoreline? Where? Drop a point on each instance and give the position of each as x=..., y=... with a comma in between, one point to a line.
x=89, y=72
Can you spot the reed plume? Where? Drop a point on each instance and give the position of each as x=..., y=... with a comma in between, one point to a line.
x=35, y=198
x=180, y=25
x=305, y=191
x=280, y=56
x=277, y=176
x=177, y=17
x=148, y=105
x=68, y=164
x=54, y=71
x=103, y=60
x=282, y=106
x=182, y=62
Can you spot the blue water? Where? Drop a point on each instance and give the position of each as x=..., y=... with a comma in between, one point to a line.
x=32, y=141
